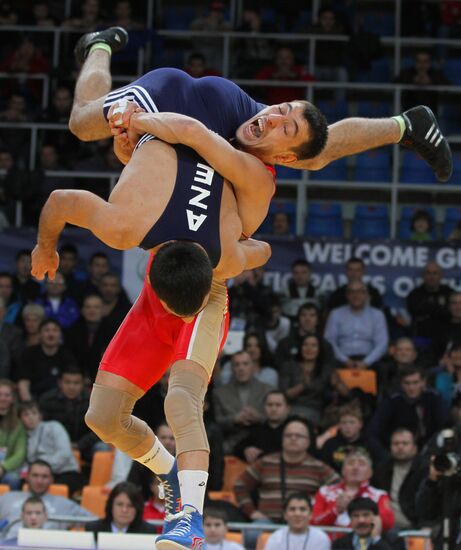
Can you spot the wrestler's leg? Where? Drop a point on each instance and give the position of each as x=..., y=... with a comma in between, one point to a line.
x=94, y=82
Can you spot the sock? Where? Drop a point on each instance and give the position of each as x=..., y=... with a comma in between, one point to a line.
x=193, y=487
x=401, y=122
x=158, y=459
x=101, y=46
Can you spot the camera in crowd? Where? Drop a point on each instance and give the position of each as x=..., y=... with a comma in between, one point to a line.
x=447, y=460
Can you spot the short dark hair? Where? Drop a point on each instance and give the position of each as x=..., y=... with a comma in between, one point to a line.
x=133, y=493
x=196, y=55
x=318, y=126
x=410, y=370
x=6, y=274
x=301, y=263
x=362, y=503
x=296, y=496
x=97, y=255
x=49, y=322
x=308, y=306
x=216, y=513
x=70, y=369
x=422, y=215
x=355, y=260
x=181, y=275
x=276, y=392
x=40, y=462
x=404, y=431
x=28, y=406
x=68, y=248
x=33, y=500
x=21, y=253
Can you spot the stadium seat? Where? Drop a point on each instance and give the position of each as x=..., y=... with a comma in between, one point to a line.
x=233, y=468
x=285, y=173
x=452, y=68
x=374, y=166
x=406, y=214
x=262, y=541
x=373, y=109
x=381, y=23
x=4, y=488
x=371, y=222
x=334, y=109
x=324, y=220
x=101, y=467
x=452, y=216
x=56, y=489
x=94, y=500
x=418, y=543
x=456, y=177
x=358, y=378
x=288, y=207
x=235, y=537
x=178, y=17
x=415, y=170
x=228, y=496
x=335, y=171
x=450, y=117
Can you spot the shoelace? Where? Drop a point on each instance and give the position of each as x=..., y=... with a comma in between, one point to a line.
x=183, y=526
x=165, y=492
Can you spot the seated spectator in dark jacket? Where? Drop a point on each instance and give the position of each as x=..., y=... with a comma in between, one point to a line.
x=40, y=365
x=11, y=344
x=88, y=338
x=57, y=305
x=400, y=475
x=12, y=304
x=350, y=436
x=32, y=317
x=68, y=266
x=403, y=355
x=116, y=304
x=266, y=438
x=420, y=410
x=68, y=404
x=98, y=266
x=26, y=289
x=450, y=331
x=298, y=288
x=124, y=509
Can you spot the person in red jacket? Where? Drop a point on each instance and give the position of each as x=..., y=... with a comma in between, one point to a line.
x=331, y=501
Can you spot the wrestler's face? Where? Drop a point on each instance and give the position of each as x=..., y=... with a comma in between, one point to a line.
x=275, y=132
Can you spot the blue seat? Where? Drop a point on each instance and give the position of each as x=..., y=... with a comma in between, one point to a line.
x=288, y=208
x=374, y=165
x=334, y=109
x=456, y=177
x=324, y=220
x=285, y=173
x=374, y=109
x=371, y=222
x=415, y=170
x=452, y=217
x=336, y=170
x=450, y=118
x=381, y=23
x=178, y=17
x=406, y=214
x=372, y=211
x=452, y=68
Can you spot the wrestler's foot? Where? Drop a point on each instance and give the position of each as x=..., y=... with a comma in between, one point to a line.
x=115, y=37
x=187, y=533
x=171, y=493
x=423, y=134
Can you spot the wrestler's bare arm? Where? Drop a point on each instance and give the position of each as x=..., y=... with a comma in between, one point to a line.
x=257, y=253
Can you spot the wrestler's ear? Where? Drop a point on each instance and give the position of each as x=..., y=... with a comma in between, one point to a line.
x=286, y=158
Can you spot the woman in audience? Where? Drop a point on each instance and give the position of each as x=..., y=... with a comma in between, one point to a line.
x=124, y=510
x=13, y=440
x=421, y=226
x=32, y=316
x=306, y=379
x=254, y=345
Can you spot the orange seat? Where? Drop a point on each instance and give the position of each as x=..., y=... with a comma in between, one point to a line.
x=56, y=489
x=235, y=537
x=228, y=496
x=101, y=467
x=262, y=541
x=4, y=488
x=233, y=468
x=78, y=458
x=94, y=500
x=358, y=378
x=418, y=543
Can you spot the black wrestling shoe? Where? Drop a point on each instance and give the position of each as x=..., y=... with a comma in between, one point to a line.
x=115, y=37
x=423, y=135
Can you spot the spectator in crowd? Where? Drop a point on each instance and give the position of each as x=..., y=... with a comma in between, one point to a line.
x=25, y=288
x=357, y=331
x=154, y=506
x=355, y=271
x=89, y=19
x=448, y=381
x=88, y=338
x=248, y=296
x=13, y=306
x=421, y=226
x=420, y=410
x=39, y=478
x=115, y=302
x=422, y=73
x=197, y=66
x=50, y=160
x=331, y=501
x=239, y=404
x=275, y=476
x=68, y=266
x=123, y=513
x=284, y=67
x=276, y=326
x=255, y=346
x=403, y=354
x=124, y=17
x=33, y=516
x=13, y=442
x=49, y=441
x=306, y=381
x=41, y=16
x=40, y=365
x=266, y=438
x=102, y=158
x=216, y=442
x=366, y=526
x=10, y=341
x=16, y=110
x=122, y=467
x=8, y=16
x=215, y=528
x=298, y=289
x=98, y=266
x=57, y=304
x=350, y=436
x=32, y=317
x=450, y=331
x=297, y=534
x=428, y=303
x=455, y=235
x=67, y=404
x=280, y=224
x=329, y=55
x=400, y=475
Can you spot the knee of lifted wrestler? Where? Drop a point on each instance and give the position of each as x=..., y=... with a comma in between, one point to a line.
x=98, y=425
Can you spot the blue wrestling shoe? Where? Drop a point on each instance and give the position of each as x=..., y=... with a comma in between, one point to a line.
x=187, y=534
x=170, y=492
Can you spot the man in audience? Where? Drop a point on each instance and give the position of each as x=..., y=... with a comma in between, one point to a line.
x=57, y=304
x=428, y=303
x=366, y=526
x=280, y=224
x=115, y=302
x=275, y=325
x=450, y=331
x=405, y=354
x=39, y=478
x=68, y=262
x=297, y=534
x=215, y=527
x=298, y=288
x=400, y=475
x=33, y=516
x=67, y=404
x=357, y=331
x=13, y=306
x=98, y=266
x=25, y=288
x=40, y=365
x=49, y=441
x=266, y=438
x=415, y=407
x=355, y=271
x=10, y=341
x=239, y=405
x=275, y=476
x=350, y=436
x=331, y=501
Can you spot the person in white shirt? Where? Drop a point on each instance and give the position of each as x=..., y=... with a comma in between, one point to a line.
x=298, y=535
x=215, y=527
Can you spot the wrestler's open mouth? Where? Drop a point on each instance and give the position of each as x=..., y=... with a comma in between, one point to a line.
x=256, y=128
